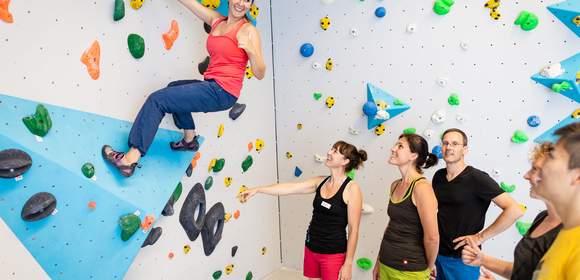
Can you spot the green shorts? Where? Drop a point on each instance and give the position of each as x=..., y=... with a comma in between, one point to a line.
x=389, y=273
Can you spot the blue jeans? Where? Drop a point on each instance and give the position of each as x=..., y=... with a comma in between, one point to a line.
x=450, y=268
x=179, y=98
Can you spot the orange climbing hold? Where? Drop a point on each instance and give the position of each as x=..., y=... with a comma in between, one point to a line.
x=250, y=146
x=5, y=15
x=91, y=58
x=170, y=36
x=171, y=255
x=237, y=214
x=147, y=222
x=92, y=205
x=195, y=159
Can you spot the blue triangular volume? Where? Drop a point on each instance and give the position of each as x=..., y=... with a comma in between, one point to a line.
x=567, y=12
x=571, y=68
x=223, y=10
x=78, y=242
x=549, y=136
x=373, y=95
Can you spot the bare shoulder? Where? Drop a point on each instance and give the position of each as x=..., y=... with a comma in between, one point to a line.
x=248, y=28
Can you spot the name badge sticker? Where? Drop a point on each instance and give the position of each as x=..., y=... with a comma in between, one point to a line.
x=325, y=205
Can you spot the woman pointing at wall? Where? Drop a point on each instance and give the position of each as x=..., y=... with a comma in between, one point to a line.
x=231, y=43
x=329, y=250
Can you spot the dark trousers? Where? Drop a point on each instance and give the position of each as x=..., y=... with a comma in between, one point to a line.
x=179, y=98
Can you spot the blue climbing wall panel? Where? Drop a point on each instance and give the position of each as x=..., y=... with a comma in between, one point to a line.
x=566, y=12
x=549, y=136
x=375, y=94
x=571, y=68
x=77, y=242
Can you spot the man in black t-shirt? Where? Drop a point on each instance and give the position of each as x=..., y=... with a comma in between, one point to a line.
x=464, y=194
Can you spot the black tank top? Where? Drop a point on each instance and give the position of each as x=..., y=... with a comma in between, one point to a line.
x=327, y=231
x=402, y=245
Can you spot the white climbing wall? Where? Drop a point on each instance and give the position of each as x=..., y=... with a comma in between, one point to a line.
x=491, y=76
x=40, y=60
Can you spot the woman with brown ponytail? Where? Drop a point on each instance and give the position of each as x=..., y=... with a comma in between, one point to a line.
x=329, y=251
x=411, y=240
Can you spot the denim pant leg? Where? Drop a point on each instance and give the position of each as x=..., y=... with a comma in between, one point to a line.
x=183, y=120
x=202, y=96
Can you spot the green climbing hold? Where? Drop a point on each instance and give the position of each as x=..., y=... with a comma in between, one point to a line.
x=136, y=45
x=249, y=276
x=523, y=227
x=351, y=174
x=563, y=86
x=453, y=99
x=208, y=183
x=398, y=102
x=247, y=163
x=527, y=20
x=177, y=192
x=317, y=95
x=129, y=225
x=40, y=123
x=364, y=263
x=219, y=165
x=507, y=188
x=442, y=7
x=119, y=10
x=88, y=170
x=216, y=275
x=410, y=130
x=519, y=137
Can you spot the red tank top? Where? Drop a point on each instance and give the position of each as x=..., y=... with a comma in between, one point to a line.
x=227, y=63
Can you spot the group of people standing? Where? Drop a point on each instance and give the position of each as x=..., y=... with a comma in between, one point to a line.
x=436, y=229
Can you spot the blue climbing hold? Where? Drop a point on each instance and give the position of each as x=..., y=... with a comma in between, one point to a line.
x=380, y=12
x=437, y=151
x=306, y=50
x=297, y=172
x=370, y=109
x=534, y=121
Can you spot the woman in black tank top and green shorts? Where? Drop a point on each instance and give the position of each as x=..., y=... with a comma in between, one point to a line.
x=411, y=240
x=328, y=251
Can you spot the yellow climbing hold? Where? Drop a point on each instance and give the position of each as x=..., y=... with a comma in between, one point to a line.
x=249, y=72
x=228, y=181
x=298, y=126
x=288, y=155
x=329, y=64
x=382, y=105
x=523, y=207
x=325, y=23
x=186, y=249
x=212, y=4
x=380, y=129
x=136, y=4
x=259, y=144
x=229, y=269
x=264, y=250
x=220, y=130
x=227, y=217
x=211, y=164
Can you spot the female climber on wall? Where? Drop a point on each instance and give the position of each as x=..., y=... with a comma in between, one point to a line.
x=231, y=43
x=329, y=251
x=411, y=239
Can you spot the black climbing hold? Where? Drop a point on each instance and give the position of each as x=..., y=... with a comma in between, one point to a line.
x=153, y=236
x=207, y=28
x=202, y=66
x=38, y=206
x=234, y=250
x=168, y=209
x=189, y=170
x=13, y=163
x=214, y=219
x=237, y=110
x=195, y=200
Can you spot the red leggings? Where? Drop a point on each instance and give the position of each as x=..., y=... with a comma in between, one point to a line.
x=325, y=266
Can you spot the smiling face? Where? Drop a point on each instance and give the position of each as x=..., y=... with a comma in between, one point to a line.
x=533, y=176
x=239, y=8
x=335, y=159
x=401, y=153
x=453, y=147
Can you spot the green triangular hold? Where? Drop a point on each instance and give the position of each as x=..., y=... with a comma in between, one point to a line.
x=317, y=95
x=129, y=225
x=351, y=174
x=410, y=130
x=507, y=188
x=40, y=123
x=523, y=227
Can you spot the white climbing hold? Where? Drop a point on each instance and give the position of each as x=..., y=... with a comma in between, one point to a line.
x=442, y=81
x=367, y=209
x=316, y=66
x=411, y=28
x=319, y=158
x=552, y=71
x=382, y=115
x=460, y=118
x=464, y=46
x=428, y=133
x=495, y=173
x=439, y=116
x=353, y=131
x=353, y=32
